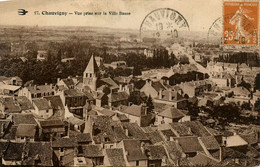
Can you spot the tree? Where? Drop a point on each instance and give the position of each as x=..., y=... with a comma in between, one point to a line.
x=149, y=104
x=136, y=71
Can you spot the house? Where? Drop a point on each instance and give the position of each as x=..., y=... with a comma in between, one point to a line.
x=18, y=119
x=35, y=91
x=4, y=127
x=94, y=153
x=223, y=80
x=11, y=105
x=17, y=81
x=57, y=106
x=42, y=55
x=235, y=142
x=114, y=157
x=137, y=114
x=172, y=98
x=116, y=64
x=152, y=88
x=134, y=152
x=11, y=90
x=38, y=154
x=75, y=100
x=202, y=159
x=190, y=145
x=76, y=124
x=116, y=99
x=68, y=83
x=157, y=155
x=52, y=128
x=25, y=132
x=82, y=138
x=133, y=131
x=13, y=154
x=43, y=108
x=171, y=115
x=64, y=151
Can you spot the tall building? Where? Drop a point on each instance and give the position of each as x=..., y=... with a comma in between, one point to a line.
x=91, y=74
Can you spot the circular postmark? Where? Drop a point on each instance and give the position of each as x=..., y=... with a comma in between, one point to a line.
x=222, y=31
x=163, y=23
x=215, y=31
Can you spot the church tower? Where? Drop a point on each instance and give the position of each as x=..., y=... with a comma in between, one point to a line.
x=90, y=75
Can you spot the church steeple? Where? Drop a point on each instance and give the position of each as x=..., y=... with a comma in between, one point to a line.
x=90, y=74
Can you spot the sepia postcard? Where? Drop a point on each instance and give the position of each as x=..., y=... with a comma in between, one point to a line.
x=146, y=83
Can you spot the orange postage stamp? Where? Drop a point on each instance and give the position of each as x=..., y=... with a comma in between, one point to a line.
x=240, y=23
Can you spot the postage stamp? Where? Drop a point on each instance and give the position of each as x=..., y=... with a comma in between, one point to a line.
x=241, y=27
x=163, y=23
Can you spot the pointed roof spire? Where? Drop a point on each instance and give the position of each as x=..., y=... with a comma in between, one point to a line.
x=92, y=66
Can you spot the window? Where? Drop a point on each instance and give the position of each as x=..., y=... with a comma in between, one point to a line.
x=152, y=165
x=47, y=111
x=61, y=150
x=137, y=163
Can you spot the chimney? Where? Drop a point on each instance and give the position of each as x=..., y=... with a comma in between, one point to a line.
x=35, y=87
x=69, y=77
x=2, y=129
x=120, y=87
x=150, y=82
x=221, y=75
x=168, y=82
x=160, y=94
x=126, y=132
x=58, y=80
x=221, y=153
x=129, y=103
x=170, y=95
x=171, y=138
x=51, y=86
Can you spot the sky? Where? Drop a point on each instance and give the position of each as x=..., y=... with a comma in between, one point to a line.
x=200, y=14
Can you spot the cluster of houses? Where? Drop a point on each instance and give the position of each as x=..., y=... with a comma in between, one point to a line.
x=88, y=121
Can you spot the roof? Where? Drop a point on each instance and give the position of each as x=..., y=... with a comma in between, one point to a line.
x=92, y=66
x=236, y=140
x=116, y=157
x=175, y=153
x=250, y=138
x=197, y=128
x=107, y=112
x=168, y=133
x=73, y=93
x=82, y=137
x=40, y=89
x=241, y=91
x=181, y=129
x=172, y=113
x=189, y=144
x=54, y=122
x=134, y=151
x=75, y=121
x=202, y=160
x=64, y=142
x=134, y=131
x=156, y=152
x=210, y=142
x=158, y=86
x=109, y=82
x=92, y=151
x=23, y=119
x=134, y=110
x=13, y=152
x=116, y=97
x=154, y=137
x=11, y=105
x=42, y=150
x=42, y=104
x=24, y=103
x=69, y=82
x=26, y=130
x=56, y=102
x=10, y=87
